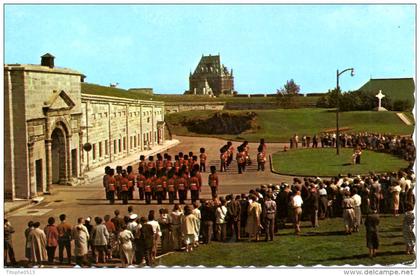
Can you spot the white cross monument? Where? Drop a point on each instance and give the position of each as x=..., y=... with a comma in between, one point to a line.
x=380, y=96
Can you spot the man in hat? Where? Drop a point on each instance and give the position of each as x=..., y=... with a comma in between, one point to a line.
x=132, y=224
x=145, y=242
x=64, y=239
x=270, y=208
x=234, y=216
x=283, y=203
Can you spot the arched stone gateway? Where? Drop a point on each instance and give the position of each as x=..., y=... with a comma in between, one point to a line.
x=58, y=156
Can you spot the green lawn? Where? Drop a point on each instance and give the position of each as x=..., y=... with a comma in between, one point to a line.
x=326, y=245
x=325, y=162
x=280, y=124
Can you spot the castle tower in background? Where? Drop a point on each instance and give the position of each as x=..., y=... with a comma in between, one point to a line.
x=211, y=78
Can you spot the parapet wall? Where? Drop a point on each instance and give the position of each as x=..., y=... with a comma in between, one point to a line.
x=173, y=107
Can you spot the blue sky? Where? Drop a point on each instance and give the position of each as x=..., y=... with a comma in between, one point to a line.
x=157, y=45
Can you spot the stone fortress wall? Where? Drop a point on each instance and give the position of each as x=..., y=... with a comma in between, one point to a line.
x=48, y=121
x=117, y=128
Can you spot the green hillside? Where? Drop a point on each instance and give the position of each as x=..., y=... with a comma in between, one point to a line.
x=280, y=124
x=395, y=89
x=94, y=89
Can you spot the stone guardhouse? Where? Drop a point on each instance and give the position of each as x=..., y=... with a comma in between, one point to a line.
x=48, y=120
x=211, y=78
x=42, y=115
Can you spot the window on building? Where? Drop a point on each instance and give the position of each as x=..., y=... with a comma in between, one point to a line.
x=100, y=149
x=148, y=119
x=138, y=138
x=131, y=142
x=115, y=146
x=135, y=141
x=106, y=147
x=125, y=143
x=94, y=152
x=119, y=145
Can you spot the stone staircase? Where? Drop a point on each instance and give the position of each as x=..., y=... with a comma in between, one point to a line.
x=233, y=168
x=404, y=118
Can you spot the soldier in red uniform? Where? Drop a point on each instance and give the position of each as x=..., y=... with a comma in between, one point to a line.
x=159, y=162
x=261, y=158
x=148, y=186
x=263, y=144
x=171, y=185
x=124, y=186
x=245, y=146
x=111, y=186
x=132, y=181
x=223, y=159
x=141, y=179
x=230, y=150
x=181, y=158
x=203, y=159
x=194, y=185
x=117, y=179
x=150, y=164
x=190, y=160
x=159, y=185
x=194, y=162
x=177, y=164
x=182, y=185
x=213, y=181
x=168, y=163
x=241, y=159
x=186, y=163
x=142, y=162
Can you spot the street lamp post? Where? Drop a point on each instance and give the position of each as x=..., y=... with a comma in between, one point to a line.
x=337, y=133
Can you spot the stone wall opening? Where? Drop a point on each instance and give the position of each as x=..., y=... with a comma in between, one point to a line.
x=58, y=156
x=74, y=162
x=39, y=176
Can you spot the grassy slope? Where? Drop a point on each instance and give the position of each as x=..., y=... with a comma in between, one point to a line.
x=325, y=245
x=325, y=162
x=279, y=125
x=396, y=89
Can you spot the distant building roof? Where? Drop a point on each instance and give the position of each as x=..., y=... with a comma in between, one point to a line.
x=395, y=89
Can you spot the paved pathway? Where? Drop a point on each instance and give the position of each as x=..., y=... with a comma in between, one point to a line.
x=88, y=200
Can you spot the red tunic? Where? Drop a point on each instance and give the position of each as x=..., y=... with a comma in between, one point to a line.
x=213, y=180
x=124, y=184
x=181, y=184
x=171, y=184
x=111, y=183
x=148, y=185
x=194, y=183
x=140, y=180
